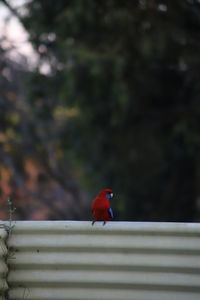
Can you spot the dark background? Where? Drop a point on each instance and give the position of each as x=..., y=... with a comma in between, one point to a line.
x=119, y=108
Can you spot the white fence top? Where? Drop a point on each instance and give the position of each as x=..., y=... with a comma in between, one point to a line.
x=58, y=260
x=133, y=226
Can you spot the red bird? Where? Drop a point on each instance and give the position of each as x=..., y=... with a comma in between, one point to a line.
x=101, y=209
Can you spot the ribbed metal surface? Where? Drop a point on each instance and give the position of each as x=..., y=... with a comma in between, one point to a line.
x=119, y=261
x=3, y=265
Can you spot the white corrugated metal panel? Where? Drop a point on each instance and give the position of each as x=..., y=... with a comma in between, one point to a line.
x=60, y=260
x=3, y=265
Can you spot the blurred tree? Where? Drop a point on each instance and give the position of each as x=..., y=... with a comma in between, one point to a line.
x=120, y=99
x=32, y=171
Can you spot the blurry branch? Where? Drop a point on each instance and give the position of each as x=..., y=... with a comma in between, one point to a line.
x=61, y=173
x=12, y=10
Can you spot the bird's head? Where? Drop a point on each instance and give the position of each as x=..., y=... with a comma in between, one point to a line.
x=108, y=193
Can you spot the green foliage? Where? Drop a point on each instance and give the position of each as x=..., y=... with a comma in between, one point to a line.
x=123, y=96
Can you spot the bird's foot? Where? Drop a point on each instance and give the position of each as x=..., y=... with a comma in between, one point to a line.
x=93, y=222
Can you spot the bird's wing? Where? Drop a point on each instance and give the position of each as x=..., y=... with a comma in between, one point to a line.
x=110, y=212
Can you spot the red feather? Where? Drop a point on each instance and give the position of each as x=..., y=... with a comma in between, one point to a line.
x=101, y=206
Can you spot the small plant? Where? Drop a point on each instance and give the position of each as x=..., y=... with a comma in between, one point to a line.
x=9, y=227
x=11, y=210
